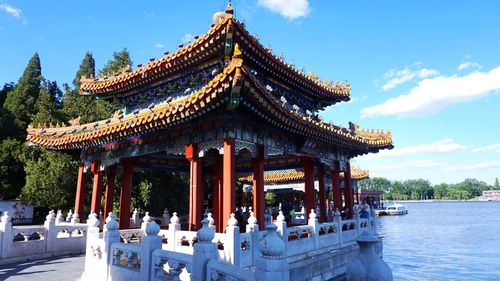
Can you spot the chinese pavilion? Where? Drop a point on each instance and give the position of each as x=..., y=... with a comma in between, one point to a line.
x=280, y=181
x=223, y=105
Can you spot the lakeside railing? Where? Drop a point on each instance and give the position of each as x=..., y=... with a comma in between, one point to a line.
x=149, y=253
x=54, y=238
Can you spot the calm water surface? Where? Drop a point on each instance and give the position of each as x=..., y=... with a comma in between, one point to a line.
x=444, y=241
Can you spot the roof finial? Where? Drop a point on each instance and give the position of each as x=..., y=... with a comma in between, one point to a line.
x=229, y=8
x=237, y=52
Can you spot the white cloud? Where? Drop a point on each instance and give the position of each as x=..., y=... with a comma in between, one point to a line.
x=469, y=64
x=416, y=164
x=15, y=12
x=397, y=77
x=441, y=146
x=432, y=165
x=489, y=148
x=188, y=37
x=435, y=94
x=159, y=46
x=476, y=166
x=290, y=9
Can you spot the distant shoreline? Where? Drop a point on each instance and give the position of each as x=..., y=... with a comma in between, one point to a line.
x=437, y=200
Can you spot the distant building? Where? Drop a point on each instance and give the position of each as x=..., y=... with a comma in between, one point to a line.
x=491, y=194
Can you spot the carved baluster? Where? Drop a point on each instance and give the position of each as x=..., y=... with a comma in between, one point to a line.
x=175, y=269
x=131, y=257
x=117, y=256
x=159, y=267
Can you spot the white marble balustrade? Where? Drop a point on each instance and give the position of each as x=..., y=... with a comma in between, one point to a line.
x=54, y=238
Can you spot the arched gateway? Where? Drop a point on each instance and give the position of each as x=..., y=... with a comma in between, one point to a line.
x=223, y=105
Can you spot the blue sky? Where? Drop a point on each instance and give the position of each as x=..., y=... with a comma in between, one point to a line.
x=429, y=71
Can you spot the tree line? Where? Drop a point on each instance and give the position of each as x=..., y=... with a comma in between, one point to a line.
x=421, y=189
x=47, y=178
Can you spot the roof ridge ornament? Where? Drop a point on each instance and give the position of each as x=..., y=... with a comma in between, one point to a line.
x=229, y=9
x=221, y=16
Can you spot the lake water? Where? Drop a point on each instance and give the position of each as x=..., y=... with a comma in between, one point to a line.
x=444, y=241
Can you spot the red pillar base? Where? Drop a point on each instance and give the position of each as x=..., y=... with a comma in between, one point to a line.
x=95, y=206
x=80, y=190
x=310, y=202
x=259, y=203
x=195, y=185
x=126, y=193
x=110, y=191
x=229, y=181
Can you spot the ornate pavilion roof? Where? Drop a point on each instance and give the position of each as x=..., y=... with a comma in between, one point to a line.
x=211, y=45
x=212, y=95
x=297, y=175
x=253, y=92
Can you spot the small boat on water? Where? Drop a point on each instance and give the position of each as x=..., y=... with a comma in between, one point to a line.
x=393, y=210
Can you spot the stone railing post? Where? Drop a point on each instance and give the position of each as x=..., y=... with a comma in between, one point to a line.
x=75, y=218
x=145, y=221
x=5, y=234
x=59, y=217
x=204, y=250
x=166, y=217
x=172, y=228
x=93, y=252
x=50, y=232
x=150, y=242
x=282, y=228
x=211, y=221
x=253, y=228
x=69, y=216
x=314, y=223
x=272, y=265
x=367, y=264
x=232, y=245
x=110, y=235
x=338, y=220
x=336, y=216
x=134, y=220
x=355, y=215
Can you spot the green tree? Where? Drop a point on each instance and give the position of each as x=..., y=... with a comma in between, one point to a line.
x=377, y=183
x=50, y=179
x=87, y=107
x=86, y=69
x=12, y=174
x=270, y=198
x=119, y=61
x=21, y=101
x=46, y=105
x=7, y=128
x=148, y=193
x=441, y=190
x=497, y=184
x=7, y=87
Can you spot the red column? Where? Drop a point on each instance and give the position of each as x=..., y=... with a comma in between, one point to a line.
x=259, y=203
x=337, y=195
x=80, y=190
x=348, y=194
x=215, y=204
x=309, y=185
x=220, y=221
x=195, y=187
x=126, y=193
x=95, y=206
x=229, y=180
x=110, y=191
x=322, y=194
